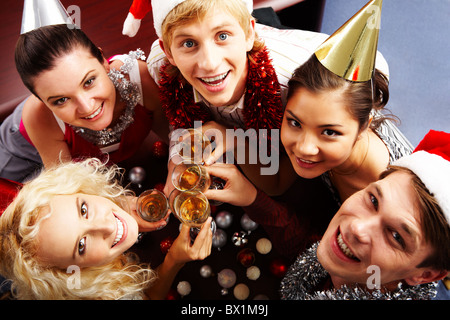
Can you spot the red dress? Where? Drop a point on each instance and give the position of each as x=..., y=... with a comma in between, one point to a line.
x=130, y=141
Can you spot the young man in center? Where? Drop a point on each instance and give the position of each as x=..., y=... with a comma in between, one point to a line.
x=216, y=65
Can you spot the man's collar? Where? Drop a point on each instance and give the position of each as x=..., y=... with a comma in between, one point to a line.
x=199, y=98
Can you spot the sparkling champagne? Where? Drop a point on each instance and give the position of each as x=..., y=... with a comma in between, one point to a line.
x=152, y=207
x=194, y=177
x=192, y=148
x=194, y=211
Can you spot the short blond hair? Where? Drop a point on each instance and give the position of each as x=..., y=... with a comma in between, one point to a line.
x=19, y=225
x=191, y=10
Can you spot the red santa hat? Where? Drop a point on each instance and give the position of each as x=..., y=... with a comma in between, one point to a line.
x=430, y=161
x=160, y=9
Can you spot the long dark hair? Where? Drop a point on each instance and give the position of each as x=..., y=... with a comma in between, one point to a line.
x=314, y=77
x=37, y=50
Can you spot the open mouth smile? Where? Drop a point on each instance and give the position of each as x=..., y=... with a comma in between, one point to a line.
x=215, y=81
x=344, y=248
x=96, y=113
x=120, y=232
x=307, y=164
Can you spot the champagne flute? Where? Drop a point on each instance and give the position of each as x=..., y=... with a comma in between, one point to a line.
x=192, y=208
x=192, y=145
x=152, y=205
x=188, y=175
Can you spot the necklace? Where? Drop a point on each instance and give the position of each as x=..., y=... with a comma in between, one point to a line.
x=306, y=274
x=334, y=171
x=262, y=99
x=129, y=93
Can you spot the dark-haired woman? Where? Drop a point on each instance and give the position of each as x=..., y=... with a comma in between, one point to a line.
x=338, y=129
x=81, y=104
x=337, y=140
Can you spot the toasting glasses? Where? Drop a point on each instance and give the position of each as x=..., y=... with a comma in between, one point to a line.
x=192, y=208
x=190, y=179
x=191, y=144
x=194, y=147
x=152, y=205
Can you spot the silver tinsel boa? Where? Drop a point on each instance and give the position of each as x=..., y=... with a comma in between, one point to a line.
x=129, y=92
x=306, y=273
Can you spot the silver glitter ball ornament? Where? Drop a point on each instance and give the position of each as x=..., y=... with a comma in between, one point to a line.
x=219, y=239
x=137, y=175
x=224, y=219
x=184, y=288
x=206, y=271
x=248, y=224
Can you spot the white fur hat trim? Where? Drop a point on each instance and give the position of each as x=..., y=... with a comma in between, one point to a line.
x=434, y=171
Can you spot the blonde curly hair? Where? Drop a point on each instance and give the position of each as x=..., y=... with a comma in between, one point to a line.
x=19, y=225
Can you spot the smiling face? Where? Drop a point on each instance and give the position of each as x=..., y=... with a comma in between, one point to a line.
x=78, y=90
x=84, y=230
x=379, y=225
x=318, y=132
x=211, y=54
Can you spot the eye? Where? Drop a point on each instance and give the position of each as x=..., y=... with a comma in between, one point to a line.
x=60, y=102
x=374, y=201
x=89, y=82
x=330, y=133
x=223, y=36
x=398, y=238
x=293, y=123
x=84, y=210
x=188, y=44
x=82, y=246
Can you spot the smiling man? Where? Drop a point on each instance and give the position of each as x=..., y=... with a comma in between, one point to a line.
x=395, y=232
x=381, y=226
x=400, y=224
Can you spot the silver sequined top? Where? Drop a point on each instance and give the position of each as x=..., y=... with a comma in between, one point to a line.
x=303, y=278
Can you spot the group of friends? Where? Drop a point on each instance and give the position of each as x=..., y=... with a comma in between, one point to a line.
x=361, y=194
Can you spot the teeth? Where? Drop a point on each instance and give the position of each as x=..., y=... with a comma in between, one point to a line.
x=119, y=232
x=220, y=77
x=306, y=161
x=96, y=113
x=344, y=247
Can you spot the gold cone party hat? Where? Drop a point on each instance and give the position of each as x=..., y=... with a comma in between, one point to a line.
x=39, y=13
x=350, y=52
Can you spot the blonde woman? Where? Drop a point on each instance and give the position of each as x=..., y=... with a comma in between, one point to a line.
x=70, y=218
